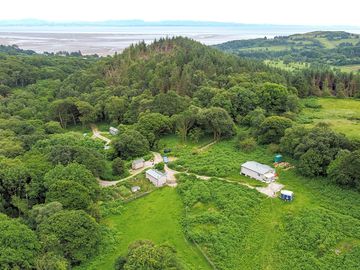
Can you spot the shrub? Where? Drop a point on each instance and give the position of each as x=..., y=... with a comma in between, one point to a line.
x=195, y=134
x=118, y=166
x=53, y=127
x=247, y=145
x=160, y=166
x=124, y=191
x=273, y=148
x=312, y=104
x=272, y=129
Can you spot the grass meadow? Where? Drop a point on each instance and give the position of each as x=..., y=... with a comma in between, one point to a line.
x=156, y=217
x=343, y=115
x=237, y=227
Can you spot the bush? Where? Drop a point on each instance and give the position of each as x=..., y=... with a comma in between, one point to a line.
x=118, y=166
x=247, y=145
x=195, y=134
x=53, y=127
x=273, y=148
x=242, y=135
x=120, y=263
x=272, y=129
x=160, y=166
x=124, y=191
x=312, y=104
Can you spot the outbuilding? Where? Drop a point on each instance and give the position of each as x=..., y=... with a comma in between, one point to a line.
x=135, y=189
x=138, y=163
x=258, y=171
x=278, y=158
x=286, y=195
x=113, y=131
x=156, y=177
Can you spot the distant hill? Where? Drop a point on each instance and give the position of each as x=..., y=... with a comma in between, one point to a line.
x=135, y=22
x=335, y=48
x=111, y=23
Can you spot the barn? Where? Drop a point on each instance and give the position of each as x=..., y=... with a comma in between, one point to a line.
x=156, y=177
x=258, y=171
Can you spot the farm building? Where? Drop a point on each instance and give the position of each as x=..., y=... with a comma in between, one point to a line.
x=258, y=171
x=138, y=163
x=156, y=177
x=286, y=195
x=113, y=131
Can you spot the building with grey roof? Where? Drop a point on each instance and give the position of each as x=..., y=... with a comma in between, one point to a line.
x=138, y=163
x=258, y=171
x=156, y=177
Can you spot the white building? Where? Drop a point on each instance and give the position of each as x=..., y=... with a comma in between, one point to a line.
x=113, y=131
x=135, y=189
x=286, y=195
x=258, y=171
x=138, y=163
x=156, y=177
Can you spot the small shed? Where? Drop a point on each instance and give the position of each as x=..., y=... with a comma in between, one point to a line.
x=286, y=195
x=113, y=131
x=278, y=158
x=258, y=171
x=135, y=189
x=138, y=163
x=156, y=177
x=165, y=159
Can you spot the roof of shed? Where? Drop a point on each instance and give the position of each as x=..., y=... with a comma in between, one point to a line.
x=257, y=167
x=286, y=192
x=155, y=173
x=137, y=161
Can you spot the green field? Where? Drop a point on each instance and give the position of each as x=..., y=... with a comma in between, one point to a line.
x=155, y=217
x=220, y=160
x=343, y=115
x=319, y=230
x=350, y=68
x=292, y=66
x=238, y=227
x=321, y=227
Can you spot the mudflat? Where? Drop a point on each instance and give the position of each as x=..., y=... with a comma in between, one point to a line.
x=95, y=43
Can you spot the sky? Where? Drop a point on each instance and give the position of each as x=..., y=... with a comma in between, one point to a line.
x=300, y=12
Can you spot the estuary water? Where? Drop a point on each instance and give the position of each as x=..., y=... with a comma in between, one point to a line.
x=104, y=40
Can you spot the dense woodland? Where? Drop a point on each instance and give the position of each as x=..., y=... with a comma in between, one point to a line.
x=324, y=53
x=48, y=175
x=327, y=47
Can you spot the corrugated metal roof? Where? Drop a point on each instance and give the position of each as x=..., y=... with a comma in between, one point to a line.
x=257, y=167
x=155, y=173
